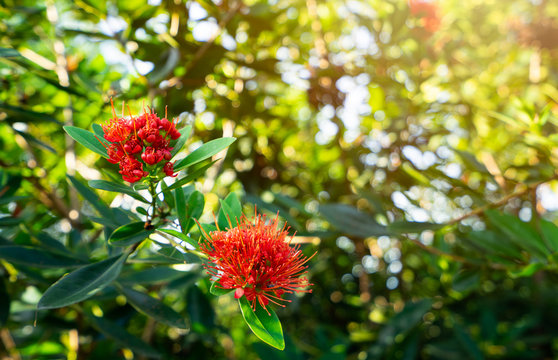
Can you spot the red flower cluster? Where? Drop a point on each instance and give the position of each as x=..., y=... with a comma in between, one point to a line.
x=257, y=261
x=427, y=10
x=140, y=140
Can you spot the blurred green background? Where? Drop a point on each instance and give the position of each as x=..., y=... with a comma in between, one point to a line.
x=411, y=144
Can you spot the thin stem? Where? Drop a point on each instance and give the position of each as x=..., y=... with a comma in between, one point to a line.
x=502, y=201
x=153, y=192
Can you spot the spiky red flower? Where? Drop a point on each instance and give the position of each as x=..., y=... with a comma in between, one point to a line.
x=257, y=260
x=141, y=140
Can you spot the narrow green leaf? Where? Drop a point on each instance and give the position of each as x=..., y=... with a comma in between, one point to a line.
x=550, y=234
x=410, y=227
x=180, y=204
x=194, y=209
x=350, y=220
x=9, y=199
x=527, y=271
x=92, y=198
x=150, y=276
x=87, y=139
x=181, y=257
x=27, y=115
x=205, y=151
x=265, y=326
x=491, y=242
x=230, y=213
x=7, y=52
x=465, y=281
x=123, y=337
x=98, y=130
x=216, y=290
x=191, y=176
x=129, y=234
x=205, y=229
x=180, y=236
x=142, y=211
x=184, y=135
x=154, y=308
x=37, y=257
x=519, y=232
x=116, y=187
x=200, y=311
x=10, y=221
x=82, y=283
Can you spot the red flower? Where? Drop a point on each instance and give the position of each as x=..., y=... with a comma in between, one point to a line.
x=131, y=169
x=141, y=140
x=169, y=169
x=256, y=260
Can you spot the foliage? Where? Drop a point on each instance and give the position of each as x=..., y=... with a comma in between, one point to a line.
x=414, y=150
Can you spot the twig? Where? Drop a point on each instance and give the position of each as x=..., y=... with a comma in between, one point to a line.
x=502, y=201
x=9, y=344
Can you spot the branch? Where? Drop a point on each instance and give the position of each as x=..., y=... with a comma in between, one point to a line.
x=502, y=201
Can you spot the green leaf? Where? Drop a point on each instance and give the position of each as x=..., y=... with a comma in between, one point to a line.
x=154, y=308
x=191, y=176
x=410, y=227
x=205, y=229
x=550, y=234
x=519, y=232
x=10, y=221
x=265, y=326
x=82, y=283
x=116, y=187
x=351, y=221
x=194, y=209
x=491, y=242
x=7, y=52
x=465, y=281
x=230, y=213
x=27, y=115
x=9, y=199
x=216, y=290
x=181, y=257
x=205, y=151
x=98, y=130
x=150, y=276
x=129, y=234
x=36, y=257
x=200, y=311
x=92, y=198
x=184, y=135
x=180, y=236
x=123, y=337
x=180, y=204
x=87, y=139
x=527, y=271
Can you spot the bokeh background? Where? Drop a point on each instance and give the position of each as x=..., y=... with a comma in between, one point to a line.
x=356, y=120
